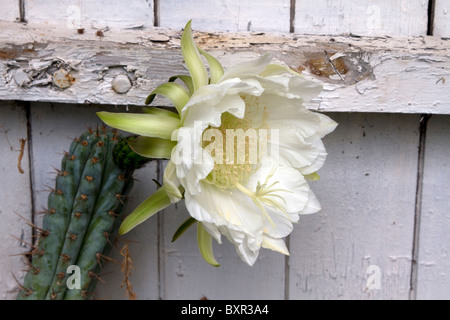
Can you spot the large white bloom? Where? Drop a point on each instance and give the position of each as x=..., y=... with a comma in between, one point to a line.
x=252, y=203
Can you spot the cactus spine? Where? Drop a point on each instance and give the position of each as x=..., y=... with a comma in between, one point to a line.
x=83, y=216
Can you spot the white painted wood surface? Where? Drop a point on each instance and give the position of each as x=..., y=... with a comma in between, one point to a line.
x=434, y=249
x=227, y=15
x=358, y=247
x=442, y=18
x=371, y=17
x=367, y=192
x=99, y=14
x=15, y=198
x=9, y=10
x=404, y=75
x=364, y=231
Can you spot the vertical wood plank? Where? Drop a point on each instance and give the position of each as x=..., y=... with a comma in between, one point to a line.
x=442, y=19
x=434, y=239
x=86, y=14
x=53, y=127
x=359, y=245
x=188, y=276
x=15, y=193
x=372, y=17
x=225, y=15
x=9, y=10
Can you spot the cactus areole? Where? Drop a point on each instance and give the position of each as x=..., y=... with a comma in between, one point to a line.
x=83, y=216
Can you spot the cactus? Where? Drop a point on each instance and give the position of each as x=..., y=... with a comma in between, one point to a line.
x=83, y=216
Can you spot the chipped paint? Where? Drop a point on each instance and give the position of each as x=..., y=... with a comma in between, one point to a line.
x=358, y=73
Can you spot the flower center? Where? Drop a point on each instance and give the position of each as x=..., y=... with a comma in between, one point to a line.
x=237, y=146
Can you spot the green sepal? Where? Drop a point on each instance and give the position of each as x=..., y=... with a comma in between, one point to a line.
x=183, y=227
x=312, y=177
x=176, y=93
x=192, y=58
x=204, y=241
x=153, y=204
x=215, y=68
x=160, y=112
x=155, y=148
x=187, y=80
x=149, y=125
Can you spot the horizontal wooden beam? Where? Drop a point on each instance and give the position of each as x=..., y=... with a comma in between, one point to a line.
x=54, y=63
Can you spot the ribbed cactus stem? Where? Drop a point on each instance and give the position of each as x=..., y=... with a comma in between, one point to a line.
x=83, y=216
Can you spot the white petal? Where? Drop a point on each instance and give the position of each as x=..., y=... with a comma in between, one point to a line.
x=247, y=68
x=319, y=161
x=283, y=113
x=275, y=244
x=291, y=87
x=213, y=230
x=292, y=149
x=172, y=183
x=232, y=210
x=305, y=89
x=246, y=247
x=209, y=112
x=312, y=206
x=327, y=125
x=292, y=186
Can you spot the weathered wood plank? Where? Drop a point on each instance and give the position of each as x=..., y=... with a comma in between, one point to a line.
x=235, y=15
x=359, y=245
x=53, y=127
x=9, y=10
x=16, y=199
x=406, y=75
x=442, y=19
x=373, y=17
x=434, y=238
x=188, y=276
x=89, y=15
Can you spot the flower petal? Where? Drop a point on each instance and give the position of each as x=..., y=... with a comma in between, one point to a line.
x=275, y=244
x=312, y=206
x=287, y=113
x=293, y=150
x=246, y=246
x=172, y=183
x=244, y=69
x=230, y=210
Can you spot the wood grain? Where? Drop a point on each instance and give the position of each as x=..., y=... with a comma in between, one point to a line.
x=226, y=15
x=442, y=19
x=9, y=10
x=367, y=192
x=373, y=17
x=398, y=75
x=434, y=253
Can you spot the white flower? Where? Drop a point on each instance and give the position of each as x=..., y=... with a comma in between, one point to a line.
x=250, y=193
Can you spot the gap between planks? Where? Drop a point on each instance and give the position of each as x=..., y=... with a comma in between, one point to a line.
x=418, y=206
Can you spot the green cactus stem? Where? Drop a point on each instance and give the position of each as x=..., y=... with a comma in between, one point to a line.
x=84, y=213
